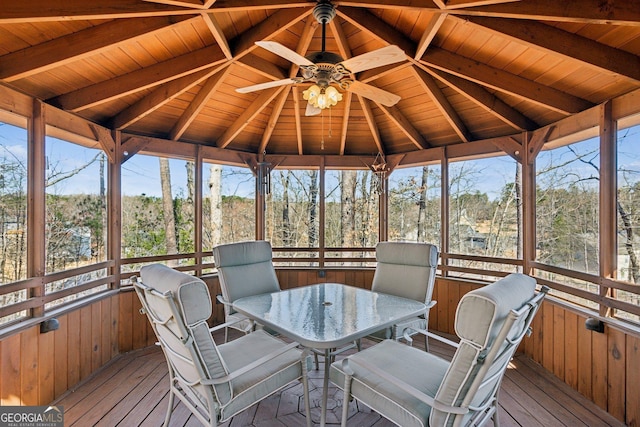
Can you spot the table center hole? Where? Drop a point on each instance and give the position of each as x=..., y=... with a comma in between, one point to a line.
x=327, y=303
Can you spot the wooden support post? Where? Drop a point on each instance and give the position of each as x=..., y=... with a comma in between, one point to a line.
x=321, y=219
x=528, y=205
x=197, y=209
x=444, y=210
x=114, y=206
x=36, y=214
x=608, y=200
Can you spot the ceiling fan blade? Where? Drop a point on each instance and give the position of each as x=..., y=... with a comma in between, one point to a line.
x=311, y=110
x=265, y=85
x=373, y=93
x=285, y=52
x=376, y=58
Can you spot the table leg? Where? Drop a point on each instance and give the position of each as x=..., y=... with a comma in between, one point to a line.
x=325, y=387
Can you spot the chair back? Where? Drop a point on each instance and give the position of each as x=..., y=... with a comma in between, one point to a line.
x=406, y=269
x=245, y=269
x=178, y=306
x=490, y=321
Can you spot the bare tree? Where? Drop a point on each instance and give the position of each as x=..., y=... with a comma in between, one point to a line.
x=215, y=198
x=348, y=184
x=167, y=209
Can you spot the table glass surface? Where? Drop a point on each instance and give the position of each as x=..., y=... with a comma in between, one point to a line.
x=327, y=315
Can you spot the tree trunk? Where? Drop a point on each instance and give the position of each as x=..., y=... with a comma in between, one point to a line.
x=313, y=209
x=422, y=206
x=286, y=223
x=348, y=184
x=634, y=268
x=215, y=199
x=167, y=210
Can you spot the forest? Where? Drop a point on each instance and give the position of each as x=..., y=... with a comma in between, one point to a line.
x=484, y=212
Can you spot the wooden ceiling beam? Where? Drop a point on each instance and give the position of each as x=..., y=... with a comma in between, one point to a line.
x=63, y=50
x=298, y=121
x=389, y=4
x=183, y=3
x=273, y=119
x=405, y=126
x=368, y=76
x=262, y=67
x=373, y=125
x=480, y=96
x=583, y=11
x=247, y=116
x=268, y=29
x=191, y=112
x=457, y=4
x=430, y=32
x=251, y=5
x=13, y=12
x=504, y=81
x=555, y=40
x=159, y=97
x=345, y=121
x=138, y=80
x=214, y=26
x=443, y=104
x=376, y=27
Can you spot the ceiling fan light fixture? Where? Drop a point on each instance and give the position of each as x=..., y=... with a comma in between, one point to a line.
x=322, y=98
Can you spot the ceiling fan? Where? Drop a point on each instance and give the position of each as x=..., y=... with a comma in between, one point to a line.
x=328, y=70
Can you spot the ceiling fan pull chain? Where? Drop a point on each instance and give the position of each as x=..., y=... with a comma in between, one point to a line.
x=322, y=130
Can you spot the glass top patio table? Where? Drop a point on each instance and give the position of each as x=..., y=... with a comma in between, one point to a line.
x=327, y=316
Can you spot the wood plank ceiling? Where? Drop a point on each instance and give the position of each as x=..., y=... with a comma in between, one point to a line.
x=474, y=69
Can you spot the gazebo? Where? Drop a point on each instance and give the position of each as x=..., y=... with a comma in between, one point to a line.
x=142, y=131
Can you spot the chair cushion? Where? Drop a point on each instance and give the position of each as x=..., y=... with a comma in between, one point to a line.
x=190, y=292
x=245, y=269
x=260, y=382
x=481, y=312
x=405, y=269
x=420, y=369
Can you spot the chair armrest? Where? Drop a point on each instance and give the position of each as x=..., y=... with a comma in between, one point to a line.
x=431, y=304
x=255, y=364
x=404, y=386
x=430, y=335
x=221, y=300
x=223, y=325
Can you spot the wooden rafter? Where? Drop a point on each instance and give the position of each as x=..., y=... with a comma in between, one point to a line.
x=504, y=81
x=449, y=113
x=63, y=50
x=433, y=26
x=484, y=99
x=261, y=66
x=373, y=126
x=273, y=119
x=188, y=116
x=458, y=4
x=212, y=23
x=345, y=121
x=140, y=79
x=570, y=45
x=405, y=126
x=249, y=114
x=106, y=141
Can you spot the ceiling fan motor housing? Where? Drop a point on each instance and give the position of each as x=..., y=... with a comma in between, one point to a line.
x=324, y=11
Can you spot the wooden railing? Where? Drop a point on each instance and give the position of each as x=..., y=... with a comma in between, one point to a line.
x=594, y=294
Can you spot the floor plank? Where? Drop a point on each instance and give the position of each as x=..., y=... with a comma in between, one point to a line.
x=132, y=390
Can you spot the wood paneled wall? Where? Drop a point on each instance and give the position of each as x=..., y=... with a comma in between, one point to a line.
x=37, y=368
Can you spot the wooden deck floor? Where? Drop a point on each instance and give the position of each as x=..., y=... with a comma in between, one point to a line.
x=133, y=391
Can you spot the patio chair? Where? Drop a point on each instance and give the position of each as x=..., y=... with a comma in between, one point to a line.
x=244, y=269
x=408, y=270
x=215, y=382
x=412, y=387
